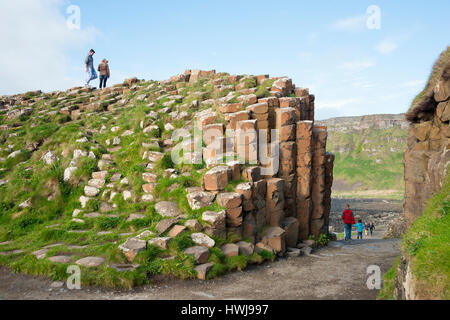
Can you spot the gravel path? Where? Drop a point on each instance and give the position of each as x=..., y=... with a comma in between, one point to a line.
x=338, y=271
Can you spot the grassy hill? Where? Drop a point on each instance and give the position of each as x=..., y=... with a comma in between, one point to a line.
x=82, y=171
x=369, y=153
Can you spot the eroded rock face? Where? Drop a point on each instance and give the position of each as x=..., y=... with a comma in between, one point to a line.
x=200, y=199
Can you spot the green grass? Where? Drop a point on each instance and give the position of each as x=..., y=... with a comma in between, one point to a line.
x=426, y=247
x=387, y=291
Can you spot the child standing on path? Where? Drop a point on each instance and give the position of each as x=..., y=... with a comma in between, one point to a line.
x=372, y=227
x=360, y=227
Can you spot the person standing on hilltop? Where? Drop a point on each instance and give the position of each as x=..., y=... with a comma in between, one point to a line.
x=89, y=67
x=349, y=221
x=103, y=69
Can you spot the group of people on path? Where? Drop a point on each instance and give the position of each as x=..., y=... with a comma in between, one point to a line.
x=103, y=69
x=350, y=223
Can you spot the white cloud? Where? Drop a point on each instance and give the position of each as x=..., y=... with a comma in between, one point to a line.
x=412, y=84
x=337, y=104
x=357, y=65
x=37, y=45
x=387, y=46
x=352, y=24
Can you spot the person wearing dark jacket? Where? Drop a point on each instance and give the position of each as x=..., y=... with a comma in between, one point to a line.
x=103, y=69
x=349, y=221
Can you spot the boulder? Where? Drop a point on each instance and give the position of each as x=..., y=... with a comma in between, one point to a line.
x=132, y=247
x=165, y=225
x=176, y=231
x=216, y=179
x=200, y=199
x=193, y=225
x=91, y=191
x=201, y=254
x=246, y=248
x=203, y=240
x=274, y=237
x=91, y=262
x=49, y=157
x=230, y=250
x=229, y=200
x=163, y=243
x=202, y=270
x=167, y=209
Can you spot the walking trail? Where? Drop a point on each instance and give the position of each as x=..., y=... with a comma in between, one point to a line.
x=338, y=271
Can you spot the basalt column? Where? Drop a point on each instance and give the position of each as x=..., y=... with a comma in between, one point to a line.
x=318, y=184
x=304, y=131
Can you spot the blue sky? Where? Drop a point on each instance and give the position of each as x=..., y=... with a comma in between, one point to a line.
x=323, y=45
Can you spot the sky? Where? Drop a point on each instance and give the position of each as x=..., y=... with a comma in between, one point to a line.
x=357, y=57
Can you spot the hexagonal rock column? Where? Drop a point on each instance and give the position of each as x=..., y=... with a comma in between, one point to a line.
x=246, y=141
x=216, y=179
x=318, y=186
x=215, y=223
x=275, y=201
x=329, y=165
x=232, y=202
x=291, y=227
x=275, y=238
x=304, y=176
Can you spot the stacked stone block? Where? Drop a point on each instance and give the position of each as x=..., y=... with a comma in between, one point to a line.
x=318, y=181
x=304, y=134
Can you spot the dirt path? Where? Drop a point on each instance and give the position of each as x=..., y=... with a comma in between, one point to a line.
x=335, y=272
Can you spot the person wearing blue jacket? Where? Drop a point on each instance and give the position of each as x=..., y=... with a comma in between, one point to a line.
x=360, y=227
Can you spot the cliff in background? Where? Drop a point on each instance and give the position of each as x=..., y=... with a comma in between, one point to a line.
x=369, y=151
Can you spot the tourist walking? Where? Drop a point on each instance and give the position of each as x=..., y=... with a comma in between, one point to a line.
x=103, y=69
x=372, y=228
x=366, y=229
x=360, y=228
x=89, y=67
x=349, y=220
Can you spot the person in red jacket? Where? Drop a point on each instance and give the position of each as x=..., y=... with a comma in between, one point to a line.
x=349, y=221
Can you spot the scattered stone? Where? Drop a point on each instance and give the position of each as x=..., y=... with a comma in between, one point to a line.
x=49, y=157
x=132, y=247
x=167, y=209
x=246, y=248
x=201, y=254
x=165, y=225
x=91, y=262
x=230, y=250
x=193, y=225
x=200, y=199
x=203, y=269
x=91, y=191
x=176, y=230
x=163, y=243
x=135, y=216
x=40, y=254
x=60, y=259
x=203, y=240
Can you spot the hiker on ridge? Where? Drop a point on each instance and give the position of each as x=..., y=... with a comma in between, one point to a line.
x=103, y=69
x=349, y=221
x=89, y=67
